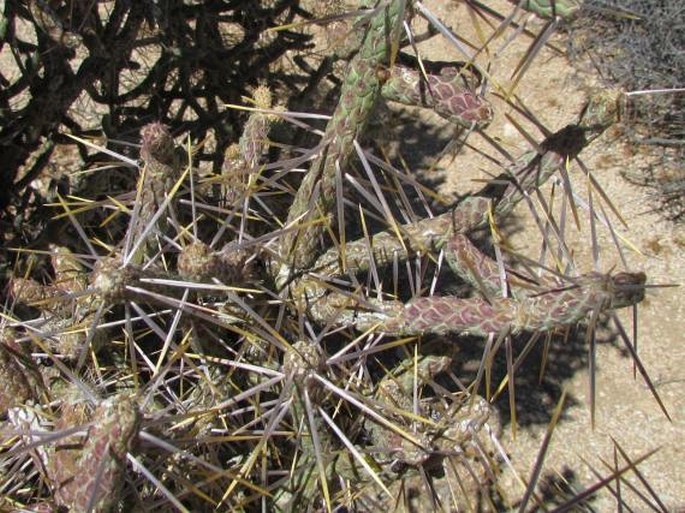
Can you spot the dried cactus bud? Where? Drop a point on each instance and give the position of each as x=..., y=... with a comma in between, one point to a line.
x=110, y=279
x=157, y=145
x=626, y=289
x=254, y=140
x=232, y=159
x=197, y=262
x=234, y=175
x=262, y=97
x=603, y=109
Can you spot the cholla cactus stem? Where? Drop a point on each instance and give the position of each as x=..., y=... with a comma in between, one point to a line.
x=101, y=462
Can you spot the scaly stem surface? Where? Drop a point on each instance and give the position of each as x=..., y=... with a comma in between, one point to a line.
x=313, y=206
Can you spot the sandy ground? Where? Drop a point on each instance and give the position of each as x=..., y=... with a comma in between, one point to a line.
x=626, y=412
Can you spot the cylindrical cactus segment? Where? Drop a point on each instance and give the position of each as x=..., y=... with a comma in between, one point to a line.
x=242, y=159
x=472, y=265
x=101, y=463
x=361, y=87
x=447, y=88
x=548, y=310
x=550, y=8
x=254, y=141
x=543, y=312
x=162, y=167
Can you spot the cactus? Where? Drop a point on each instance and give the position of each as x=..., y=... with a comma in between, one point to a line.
x=219, y=354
